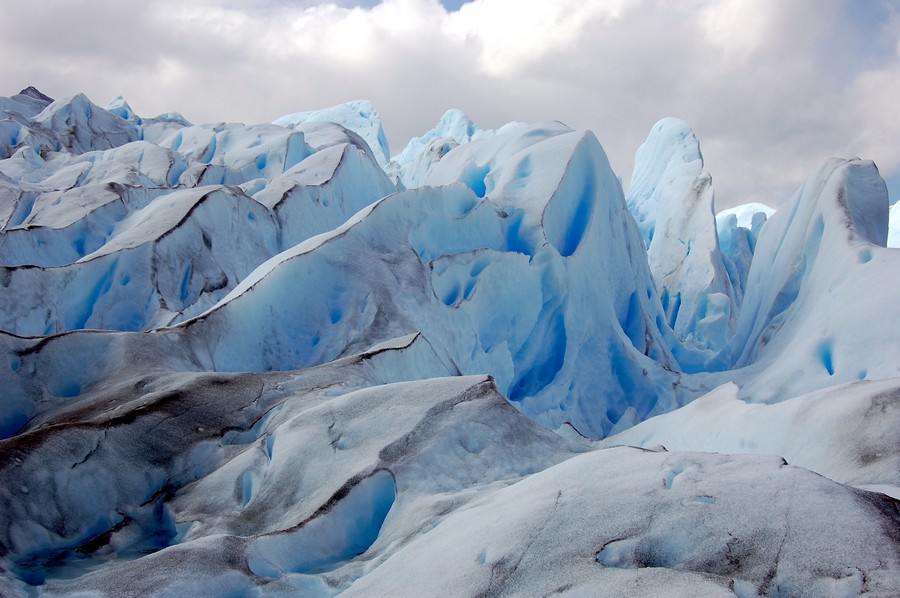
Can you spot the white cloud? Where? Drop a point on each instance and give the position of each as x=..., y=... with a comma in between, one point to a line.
x=508, y=34
x=771, y=87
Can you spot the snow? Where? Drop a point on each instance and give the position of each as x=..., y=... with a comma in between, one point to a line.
x=634, y=522
x=266, y=360
x=846, y=433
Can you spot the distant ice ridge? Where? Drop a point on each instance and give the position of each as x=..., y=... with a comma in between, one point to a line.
x=139, y=235
x=358, y=116
x=411, y=165
x=738, y=228
x=893, y=239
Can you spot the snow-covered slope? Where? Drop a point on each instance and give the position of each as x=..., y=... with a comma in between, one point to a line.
x=816, y=311
x=635, y=523
x=848, y=433
x=264, y=360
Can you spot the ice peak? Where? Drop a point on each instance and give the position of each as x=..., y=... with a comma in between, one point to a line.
x=865, y=201
x=454, y=128
x=359, y=116
x=671, y=152
x=827, y=234
x=456, y=124
x=35, y=93
x=671, y=198
x=120, y=108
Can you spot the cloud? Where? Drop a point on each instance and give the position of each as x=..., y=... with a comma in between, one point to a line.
x=771, y=87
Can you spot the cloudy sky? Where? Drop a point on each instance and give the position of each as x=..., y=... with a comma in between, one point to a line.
x=771, y=87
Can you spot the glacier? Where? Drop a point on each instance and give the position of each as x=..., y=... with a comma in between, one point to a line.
x=273, y=359
x=672, y=200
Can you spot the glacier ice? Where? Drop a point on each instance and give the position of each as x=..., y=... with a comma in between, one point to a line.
x=738, y=228
x=412, y=164
x=271, y=359
x=893, y=239
x=671, y=198
x=633, y=522
x=803, y=289
x=359, y=116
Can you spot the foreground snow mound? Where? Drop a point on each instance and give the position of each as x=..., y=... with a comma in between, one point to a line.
x=318, y=482
x=671, y=198
x=848, y=433
x=627, y=522
x=281, y=474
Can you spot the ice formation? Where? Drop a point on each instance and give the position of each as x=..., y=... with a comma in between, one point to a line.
x=273, y=360
x=894, y=228
x=358, y=116
x=671, y=198
x=738, y=229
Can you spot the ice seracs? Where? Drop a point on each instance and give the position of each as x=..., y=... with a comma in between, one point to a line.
x=804, y=318
x=738, y=228
x=265, y=360
x=671, y=197
x=358, y=116
x=411, y=165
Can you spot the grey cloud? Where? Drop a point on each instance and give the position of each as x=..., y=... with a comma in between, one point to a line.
x=765, y=115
